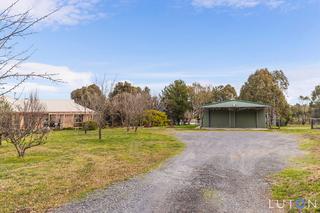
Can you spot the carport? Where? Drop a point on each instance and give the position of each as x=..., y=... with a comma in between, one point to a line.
x=235, y=114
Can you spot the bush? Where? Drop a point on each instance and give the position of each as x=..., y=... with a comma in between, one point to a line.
x=90, y=125
x=155, y=118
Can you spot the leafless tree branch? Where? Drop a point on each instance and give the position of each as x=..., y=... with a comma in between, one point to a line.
x=14, y=26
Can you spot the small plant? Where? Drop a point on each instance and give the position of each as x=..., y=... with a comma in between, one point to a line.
x=90, y=125
x=153, y=118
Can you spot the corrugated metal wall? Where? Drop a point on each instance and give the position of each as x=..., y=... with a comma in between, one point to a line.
x=234, y=119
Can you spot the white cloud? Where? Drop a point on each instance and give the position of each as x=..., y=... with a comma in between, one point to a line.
x=70, y=77
x=71, y=12
x=236, y=3
x=46, y=89
x=302, y=82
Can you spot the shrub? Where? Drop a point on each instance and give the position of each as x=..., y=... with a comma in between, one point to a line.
x=155, y=118
x=90, y=125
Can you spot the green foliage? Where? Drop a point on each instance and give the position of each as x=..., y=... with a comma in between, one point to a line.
x=176, y=100
x=153, y=118
x=122, y=87
x=268, y=88
x=223, y=93
x=315, y=96
x=90, y=125
x=85, y=96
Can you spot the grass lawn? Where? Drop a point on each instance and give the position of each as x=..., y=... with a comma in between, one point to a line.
x=302, y=178
x=186, y=127
x=71, y=164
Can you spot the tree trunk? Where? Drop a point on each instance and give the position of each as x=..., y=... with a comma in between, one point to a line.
x=136, y=129
x=0, y=139
x=21, y=153
x=100, y=133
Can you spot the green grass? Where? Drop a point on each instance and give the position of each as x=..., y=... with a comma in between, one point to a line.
x=299, y=130
x=186, y=127
x=71, y=164
x=302, y=178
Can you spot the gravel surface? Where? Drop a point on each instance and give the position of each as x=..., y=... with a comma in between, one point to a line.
x=218, y=172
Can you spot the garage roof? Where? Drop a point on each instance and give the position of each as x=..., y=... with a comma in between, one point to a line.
x=236, y=104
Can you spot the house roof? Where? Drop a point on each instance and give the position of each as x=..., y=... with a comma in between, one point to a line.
x=235, y=104
x=57, y=106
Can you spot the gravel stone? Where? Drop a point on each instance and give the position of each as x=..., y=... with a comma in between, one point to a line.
x=218, y=172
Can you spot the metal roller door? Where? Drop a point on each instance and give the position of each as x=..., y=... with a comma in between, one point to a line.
x=219, y=119
x=246, y=119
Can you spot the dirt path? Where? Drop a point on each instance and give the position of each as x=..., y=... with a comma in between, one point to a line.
x=218, y=172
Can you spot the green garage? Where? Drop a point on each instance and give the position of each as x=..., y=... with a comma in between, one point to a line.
x=235, y=114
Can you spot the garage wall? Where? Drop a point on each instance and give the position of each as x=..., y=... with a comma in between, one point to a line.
x=261, y=118
x=219, y=119
x=205, y=119
x=246, y=119
x=234, y=119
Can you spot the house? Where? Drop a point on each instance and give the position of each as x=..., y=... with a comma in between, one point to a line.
x=235, y=114
x=62, y=113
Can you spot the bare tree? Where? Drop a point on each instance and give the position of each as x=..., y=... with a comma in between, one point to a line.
x=199, y=96
x=131, y=108
x=140, y=102
x=120, y=106
x=14, y=26
x=22, y=124
x=101, y=105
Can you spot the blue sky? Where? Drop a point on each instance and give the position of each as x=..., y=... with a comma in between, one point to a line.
x=151, y=43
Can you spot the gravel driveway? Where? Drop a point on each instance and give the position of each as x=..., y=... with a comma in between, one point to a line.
x=218, y=172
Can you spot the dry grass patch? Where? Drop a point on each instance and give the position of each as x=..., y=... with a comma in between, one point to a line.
x=302, y=178
x=72, y=164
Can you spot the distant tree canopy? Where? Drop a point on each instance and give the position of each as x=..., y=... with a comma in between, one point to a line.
x=315, y=96
x=268, y=88
x=122, y=87
x=300, y=112
x=175, y=98
x=199, y=95
x=86, y=95
x=222, y=93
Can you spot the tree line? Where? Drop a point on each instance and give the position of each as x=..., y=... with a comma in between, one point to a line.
x=306, y=108
x=126, y=104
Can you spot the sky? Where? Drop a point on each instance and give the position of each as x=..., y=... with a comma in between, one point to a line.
x=152, y=43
